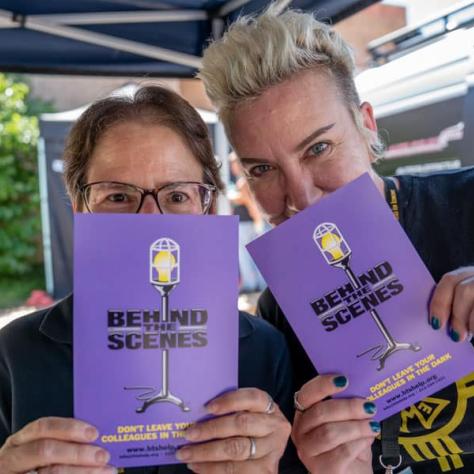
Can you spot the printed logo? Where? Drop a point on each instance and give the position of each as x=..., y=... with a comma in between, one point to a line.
x=360, y=295
x=159, y=329
x=438, y=419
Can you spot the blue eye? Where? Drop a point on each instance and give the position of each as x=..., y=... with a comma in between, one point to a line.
x=318, y=148
x=258, y=171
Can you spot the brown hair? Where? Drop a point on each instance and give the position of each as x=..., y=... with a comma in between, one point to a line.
x=149, y=104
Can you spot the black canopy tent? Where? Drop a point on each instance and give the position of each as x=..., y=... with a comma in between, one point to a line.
x=159, y=38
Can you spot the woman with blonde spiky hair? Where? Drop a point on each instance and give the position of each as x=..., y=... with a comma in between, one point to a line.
x=283, y=86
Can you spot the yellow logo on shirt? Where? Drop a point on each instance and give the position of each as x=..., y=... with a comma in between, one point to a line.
x=437, y=444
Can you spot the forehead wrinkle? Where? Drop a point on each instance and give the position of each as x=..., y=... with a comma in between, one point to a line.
x=135, y=152
x=285, y=114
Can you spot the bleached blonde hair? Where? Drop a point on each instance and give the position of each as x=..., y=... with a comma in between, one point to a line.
x=258, y=52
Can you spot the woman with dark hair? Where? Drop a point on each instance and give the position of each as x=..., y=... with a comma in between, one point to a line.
x=141, y=154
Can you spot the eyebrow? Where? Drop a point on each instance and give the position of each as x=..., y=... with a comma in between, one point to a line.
x=313, y=136
x=320, y=131
x=251, y=161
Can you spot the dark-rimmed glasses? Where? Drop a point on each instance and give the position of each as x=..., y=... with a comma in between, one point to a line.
x=185, y=197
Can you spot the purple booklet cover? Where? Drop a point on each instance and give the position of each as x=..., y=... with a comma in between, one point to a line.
x=356, y=294
x=155, y=327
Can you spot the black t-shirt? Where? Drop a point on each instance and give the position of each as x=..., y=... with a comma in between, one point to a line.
x=437, y=213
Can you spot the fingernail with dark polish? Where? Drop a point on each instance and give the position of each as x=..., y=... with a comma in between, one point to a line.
x=340, y=381
x=370, y=408
x=375, y=426
x=454, y=335
x=435, y=322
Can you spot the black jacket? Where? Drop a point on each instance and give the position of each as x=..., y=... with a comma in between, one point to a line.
x=36, y=377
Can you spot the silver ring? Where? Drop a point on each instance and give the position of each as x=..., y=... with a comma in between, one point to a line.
x=297, y=404
x=270, y=407
x=253, y=448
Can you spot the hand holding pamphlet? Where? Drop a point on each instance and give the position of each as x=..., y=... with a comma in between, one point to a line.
x=152, y=343
x=356, y=294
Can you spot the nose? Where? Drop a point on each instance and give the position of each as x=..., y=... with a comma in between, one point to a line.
x=301, y=191
x=149, y=205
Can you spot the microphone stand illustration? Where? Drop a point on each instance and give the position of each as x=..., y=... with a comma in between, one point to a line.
x=164, y=276
x=337, y=253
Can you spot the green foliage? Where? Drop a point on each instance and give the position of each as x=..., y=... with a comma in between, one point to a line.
x=20, y=228
x=14, y=291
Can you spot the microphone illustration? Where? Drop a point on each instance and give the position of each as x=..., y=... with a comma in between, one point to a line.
x=337, y=253
x=164, y=276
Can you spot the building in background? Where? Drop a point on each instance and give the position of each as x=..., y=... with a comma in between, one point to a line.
x=371, y=23
x=71, y=92
x=421, y=87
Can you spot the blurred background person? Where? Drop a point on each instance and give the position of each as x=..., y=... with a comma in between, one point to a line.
x=251, y=225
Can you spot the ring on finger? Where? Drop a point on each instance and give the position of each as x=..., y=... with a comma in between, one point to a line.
x=297, y=404
x=270, y=407
x=253, y=448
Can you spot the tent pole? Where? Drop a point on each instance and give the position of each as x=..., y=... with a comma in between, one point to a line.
x=45, y=224
x=113, y=42
x=115, y=18
x=221, y=144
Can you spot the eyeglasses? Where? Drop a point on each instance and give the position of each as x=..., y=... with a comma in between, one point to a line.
x=175, y=198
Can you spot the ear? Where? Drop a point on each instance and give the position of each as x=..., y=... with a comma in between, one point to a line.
x=368, y=118
x=76, y=206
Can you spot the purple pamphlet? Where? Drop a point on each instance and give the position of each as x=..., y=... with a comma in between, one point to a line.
x=155, y=327
x=356, y=294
